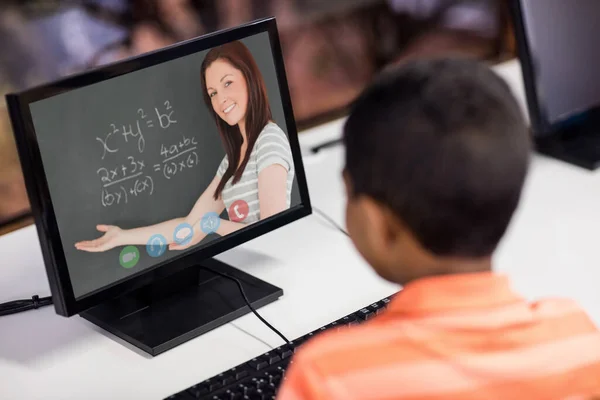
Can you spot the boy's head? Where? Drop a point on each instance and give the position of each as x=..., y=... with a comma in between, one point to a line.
x=436, y=155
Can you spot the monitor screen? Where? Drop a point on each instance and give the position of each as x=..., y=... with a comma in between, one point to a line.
x=168, y=159
x=562, y=37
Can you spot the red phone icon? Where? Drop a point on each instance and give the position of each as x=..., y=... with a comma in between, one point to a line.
x=238, y=211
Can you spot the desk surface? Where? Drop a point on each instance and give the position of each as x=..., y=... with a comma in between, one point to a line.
x=550, y=250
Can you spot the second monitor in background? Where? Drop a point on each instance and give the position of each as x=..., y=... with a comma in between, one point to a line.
x=140, y=171
x=557, y=43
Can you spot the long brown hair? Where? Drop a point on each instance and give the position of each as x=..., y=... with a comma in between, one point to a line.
x=258, y=111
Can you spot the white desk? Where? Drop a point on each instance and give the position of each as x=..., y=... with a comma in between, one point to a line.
x=550, y=249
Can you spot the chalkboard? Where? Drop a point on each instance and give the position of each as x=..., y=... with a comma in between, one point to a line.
x=132, y=151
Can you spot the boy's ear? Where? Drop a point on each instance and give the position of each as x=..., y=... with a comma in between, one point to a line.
x=377, y=219
x=384, y=225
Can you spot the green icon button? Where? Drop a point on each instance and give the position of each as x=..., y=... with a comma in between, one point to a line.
x=129, y=257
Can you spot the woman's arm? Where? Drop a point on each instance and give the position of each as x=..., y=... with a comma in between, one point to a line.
x=272, y=190
x=225, y=228
x=272, y=197
x=206, y=203
x=115, y=236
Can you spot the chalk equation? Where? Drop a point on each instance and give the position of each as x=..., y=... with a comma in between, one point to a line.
x=119, y=195
x=171, y=169
x=133, y=131
x=129, y=177
x=109, y=141
x=120, y=173
x=165, y=118
x=178, y=157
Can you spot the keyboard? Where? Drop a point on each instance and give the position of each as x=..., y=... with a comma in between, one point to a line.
x=259, y=378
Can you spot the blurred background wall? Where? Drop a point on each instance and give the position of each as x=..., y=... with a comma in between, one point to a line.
x=332, y=48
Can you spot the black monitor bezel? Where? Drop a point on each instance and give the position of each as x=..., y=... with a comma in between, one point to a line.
x=538, y=117
x=37, y=185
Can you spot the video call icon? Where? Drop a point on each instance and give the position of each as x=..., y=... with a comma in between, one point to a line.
x=129, y=257
x=156, y=246
x=210, y=222
x=183, y=234
x=238, y=211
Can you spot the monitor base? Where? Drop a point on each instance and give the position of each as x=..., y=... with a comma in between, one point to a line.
x=169, y=312
x=579, y=147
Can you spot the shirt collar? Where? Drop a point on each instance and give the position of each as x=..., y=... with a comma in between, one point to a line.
x=445, y=293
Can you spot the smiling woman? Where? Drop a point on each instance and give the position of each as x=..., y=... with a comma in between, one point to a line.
x=236, y=92
x=254, y=180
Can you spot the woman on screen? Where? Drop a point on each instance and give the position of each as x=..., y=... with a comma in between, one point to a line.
x=254, y=179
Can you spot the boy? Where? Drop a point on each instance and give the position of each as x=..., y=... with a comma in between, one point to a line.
x=436, y=156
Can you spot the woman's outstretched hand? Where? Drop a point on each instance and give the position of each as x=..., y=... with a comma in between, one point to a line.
x=110, y=239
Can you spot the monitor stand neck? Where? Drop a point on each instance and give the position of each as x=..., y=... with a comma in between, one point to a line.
x=173, y=310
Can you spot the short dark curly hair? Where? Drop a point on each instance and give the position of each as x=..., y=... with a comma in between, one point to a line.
x=444, y=145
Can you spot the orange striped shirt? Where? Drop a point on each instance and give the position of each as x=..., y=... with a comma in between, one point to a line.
x=454, y=337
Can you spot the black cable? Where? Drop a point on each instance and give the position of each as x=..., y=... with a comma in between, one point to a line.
x=325, y=145
x=330, y=220
x=17, y=306
x=239, y=284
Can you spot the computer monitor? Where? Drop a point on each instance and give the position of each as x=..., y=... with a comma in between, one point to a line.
x=140, y=171
x=557, y=45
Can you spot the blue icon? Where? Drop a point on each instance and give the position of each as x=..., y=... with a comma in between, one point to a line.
x=156, y=246
x=210, y=222
x=183, y=234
